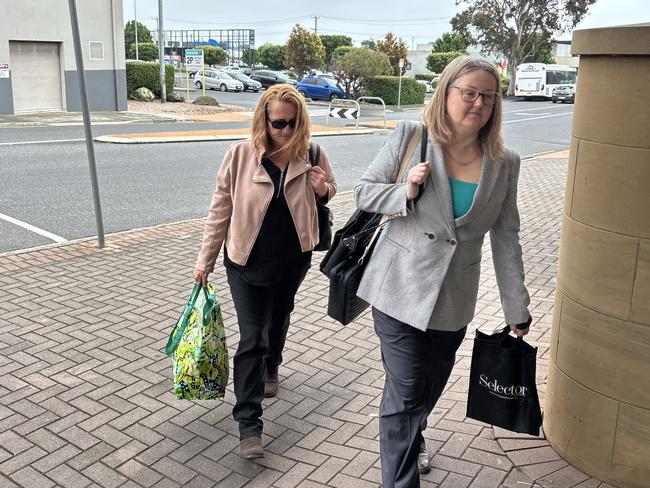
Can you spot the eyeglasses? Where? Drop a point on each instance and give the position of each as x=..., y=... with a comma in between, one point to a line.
x=281, y=123
x=470, y=95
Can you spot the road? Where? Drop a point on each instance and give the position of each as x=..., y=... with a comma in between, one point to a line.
x=44, y=182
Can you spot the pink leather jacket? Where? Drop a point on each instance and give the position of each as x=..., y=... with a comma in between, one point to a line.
x=242, y=196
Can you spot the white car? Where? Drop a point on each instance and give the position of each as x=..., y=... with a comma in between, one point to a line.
x=215, y=80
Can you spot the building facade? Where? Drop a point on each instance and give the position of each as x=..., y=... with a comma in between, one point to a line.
x=38, y=70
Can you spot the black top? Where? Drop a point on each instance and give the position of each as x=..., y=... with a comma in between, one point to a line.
x=276, y=254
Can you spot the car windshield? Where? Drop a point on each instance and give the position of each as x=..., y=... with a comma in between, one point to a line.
x=282, y=76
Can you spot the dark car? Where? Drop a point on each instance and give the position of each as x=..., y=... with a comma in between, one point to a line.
x=564, y=94
x=319, y=87
x=267, y=77
x=246, y=81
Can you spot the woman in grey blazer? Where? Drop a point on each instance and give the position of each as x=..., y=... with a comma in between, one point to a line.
x=422, y=279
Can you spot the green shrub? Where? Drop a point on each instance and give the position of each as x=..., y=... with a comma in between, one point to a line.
x=140, y=74
x=425, y=77
x=505, y=81
x=386, y=87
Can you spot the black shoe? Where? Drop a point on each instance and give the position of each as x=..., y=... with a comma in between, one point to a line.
x=424, y=462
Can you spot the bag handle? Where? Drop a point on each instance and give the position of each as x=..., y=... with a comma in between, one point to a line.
x=420, y=130
x=177, y=332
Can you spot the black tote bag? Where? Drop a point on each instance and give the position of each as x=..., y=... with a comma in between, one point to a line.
x=502, y=389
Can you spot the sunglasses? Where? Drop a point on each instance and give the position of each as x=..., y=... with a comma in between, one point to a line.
x=281, y=123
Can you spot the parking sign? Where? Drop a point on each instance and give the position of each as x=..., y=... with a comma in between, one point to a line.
x=194, y=59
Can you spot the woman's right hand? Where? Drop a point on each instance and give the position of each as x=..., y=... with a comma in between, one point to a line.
x=416, y=177
x=200, y=277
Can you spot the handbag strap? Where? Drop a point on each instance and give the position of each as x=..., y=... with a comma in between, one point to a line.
x=314, y=154
x=420, y=130
x=179, y=329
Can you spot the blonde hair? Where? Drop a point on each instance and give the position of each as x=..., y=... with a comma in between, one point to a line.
x=435, y=113
x=297, y=146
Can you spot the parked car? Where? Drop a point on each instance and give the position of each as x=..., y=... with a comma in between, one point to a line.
x=267, y=77
x=319, y=88
x=217, y=80
x=246, y=81
x=565, y=93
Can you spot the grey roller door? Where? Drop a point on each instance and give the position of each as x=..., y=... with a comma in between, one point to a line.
x=36, y=76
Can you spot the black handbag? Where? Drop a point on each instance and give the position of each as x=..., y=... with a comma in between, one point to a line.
x=502, y=389
x=325, y=215
x=352, y=246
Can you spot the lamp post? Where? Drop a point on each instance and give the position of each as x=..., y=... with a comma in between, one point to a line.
x=135, y=15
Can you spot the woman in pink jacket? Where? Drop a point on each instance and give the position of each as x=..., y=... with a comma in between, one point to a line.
x=264, y=209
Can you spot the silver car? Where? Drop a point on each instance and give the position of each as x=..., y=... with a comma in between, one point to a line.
x=215, y=80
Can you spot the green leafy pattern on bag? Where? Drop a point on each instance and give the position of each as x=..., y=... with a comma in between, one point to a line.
x=197, y=346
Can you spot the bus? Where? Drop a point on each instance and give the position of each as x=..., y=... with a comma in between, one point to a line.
x=539, y=79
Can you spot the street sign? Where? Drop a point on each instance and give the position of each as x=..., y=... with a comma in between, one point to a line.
x=401, y=63
x=4, y=71
x=194, y=59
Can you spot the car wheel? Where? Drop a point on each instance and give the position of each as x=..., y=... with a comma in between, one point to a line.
x=223, y=87
x=554, y=101
x=255, y=91
x=303, y=93
x=333, y=96
x=198, y=85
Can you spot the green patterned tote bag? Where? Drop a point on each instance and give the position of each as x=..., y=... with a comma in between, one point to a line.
x=197, y=346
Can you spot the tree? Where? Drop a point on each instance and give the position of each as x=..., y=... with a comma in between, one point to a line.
x=304, y=50
x=341, y=50
x=395, y=49
x=272, y=55
x=369, y=44
x=542, y=51
x=144, y=35
x=331, y=43
x=450, y=42
x=249, y=56
x=515, y=27
x=214, y=55
x=354, y=68
x=147, y=51
x=436, y=62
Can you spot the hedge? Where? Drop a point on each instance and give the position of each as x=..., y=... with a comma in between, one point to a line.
x=386, y=87
x=139, y=73
x=425, y=76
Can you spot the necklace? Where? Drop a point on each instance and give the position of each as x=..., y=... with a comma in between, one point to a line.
x=451, y=156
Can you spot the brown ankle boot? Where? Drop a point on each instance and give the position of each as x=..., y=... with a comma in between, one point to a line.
x=271, y=385
x=251, y=448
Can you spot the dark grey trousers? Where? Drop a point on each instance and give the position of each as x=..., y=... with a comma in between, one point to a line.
x=263, y=315
x=417, y=366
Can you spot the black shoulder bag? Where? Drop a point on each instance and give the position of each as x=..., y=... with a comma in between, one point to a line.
x=352, y=246
x=325, y=215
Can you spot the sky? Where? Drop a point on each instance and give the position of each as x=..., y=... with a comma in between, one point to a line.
x=415, y=21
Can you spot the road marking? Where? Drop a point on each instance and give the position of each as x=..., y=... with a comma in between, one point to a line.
x=535, y=118
x=30, y=227
x=526, y=113
x=545, y=107
x=23, y=143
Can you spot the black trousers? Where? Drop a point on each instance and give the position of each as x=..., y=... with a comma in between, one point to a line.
x=417, y=366
x=263, y=315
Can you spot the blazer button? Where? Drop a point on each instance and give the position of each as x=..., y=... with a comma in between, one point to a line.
x=430, y=235
x=452, y=242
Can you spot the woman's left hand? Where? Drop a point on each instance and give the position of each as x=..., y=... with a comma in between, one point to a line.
x=319, y=181
x=519, y=332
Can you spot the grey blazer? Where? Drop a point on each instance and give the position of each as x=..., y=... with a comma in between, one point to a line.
x=426, y=265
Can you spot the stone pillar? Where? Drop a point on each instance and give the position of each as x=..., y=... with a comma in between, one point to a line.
x=597, y=412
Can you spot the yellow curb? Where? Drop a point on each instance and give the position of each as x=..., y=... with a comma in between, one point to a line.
x=216, y=135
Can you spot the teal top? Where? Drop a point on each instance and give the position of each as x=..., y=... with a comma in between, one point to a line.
x=462, y=196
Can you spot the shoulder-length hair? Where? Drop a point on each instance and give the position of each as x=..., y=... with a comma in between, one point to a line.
x=435, y=113
x=296, y=147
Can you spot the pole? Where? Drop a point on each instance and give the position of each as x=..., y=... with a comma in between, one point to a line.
x=161, y=53
x=83, y=92
x=315, y=24
x=399, y=89
x=135, y=15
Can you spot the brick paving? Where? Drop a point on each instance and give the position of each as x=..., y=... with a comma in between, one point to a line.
x=85, y=390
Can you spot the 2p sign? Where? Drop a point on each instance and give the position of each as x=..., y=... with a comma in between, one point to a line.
x=194, y=59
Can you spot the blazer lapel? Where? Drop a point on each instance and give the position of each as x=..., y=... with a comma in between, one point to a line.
x=489, y=173
x=438, y=177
